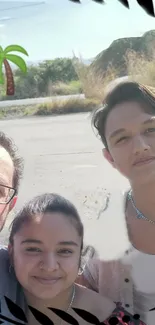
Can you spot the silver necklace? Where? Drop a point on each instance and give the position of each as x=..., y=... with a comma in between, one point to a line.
x=71, y=302
x=139, y=215
x=72, y=299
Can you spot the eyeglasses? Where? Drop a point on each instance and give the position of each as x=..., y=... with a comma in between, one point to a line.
x=6, y=194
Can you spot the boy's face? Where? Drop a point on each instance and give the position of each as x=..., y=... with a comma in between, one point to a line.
x=130, y=136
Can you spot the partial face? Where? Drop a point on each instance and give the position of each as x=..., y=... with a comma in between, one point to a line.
x=46, y=255
x=130, y=134
x=6, y=179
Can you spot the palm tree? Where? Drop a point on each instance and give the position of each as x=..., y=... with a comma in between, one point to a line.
x=4, y=58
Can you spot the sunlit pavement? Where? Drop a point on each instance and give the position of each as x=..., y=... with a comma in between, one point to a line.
x=63, y=155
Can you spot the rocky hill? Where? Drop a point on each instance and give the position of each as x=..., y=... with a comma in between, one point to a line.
x=115, y=53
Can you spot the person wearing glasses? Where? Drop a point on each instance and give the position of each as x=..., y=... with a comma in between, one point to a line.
x=124, y=236
x=11, y=171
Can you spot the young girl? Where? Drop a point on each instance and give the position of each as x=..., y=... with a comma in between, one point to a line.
x=45, y=256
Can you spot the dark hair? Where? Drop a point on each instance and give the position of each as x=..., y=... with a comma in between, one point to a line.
x=46, y=203
x=123, y=92
x=8, y=144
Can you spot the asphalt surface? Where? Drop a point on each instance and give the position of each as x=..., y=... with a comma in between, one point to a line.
x=63, y=155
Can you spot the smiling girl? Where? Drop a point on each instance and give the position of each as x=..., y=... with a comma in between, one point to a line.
x=45, y=256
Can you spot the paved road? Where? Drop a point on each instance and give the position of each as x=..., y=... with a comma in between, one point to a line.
x=35, y=101
x=63, y=155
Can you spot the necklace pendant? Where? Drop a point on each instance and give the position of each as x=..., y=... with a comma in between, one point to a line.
x=139, y=216
x=139, y=213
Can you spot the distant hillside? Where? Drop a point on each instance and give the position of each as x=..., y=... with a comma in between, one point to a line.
x=37, y=62
x=115, y=53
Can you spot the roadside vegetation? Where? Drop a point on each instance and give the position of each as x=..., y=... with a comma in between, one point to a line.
x=57, y=107
x=140, y=68
x=62, y=77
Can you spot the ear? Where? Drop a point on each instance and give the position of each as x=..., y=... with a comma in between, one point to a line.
x=13, y=203
x=10, y=251
x=10, y=248
x=108, y=156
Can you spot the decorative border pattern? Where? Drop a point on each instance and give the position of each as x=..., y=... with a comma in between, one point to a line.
x=147, y=5
x=119, y=316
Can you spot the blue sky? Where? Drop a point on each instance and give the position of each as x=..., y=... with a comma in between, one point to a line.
x=55, y=28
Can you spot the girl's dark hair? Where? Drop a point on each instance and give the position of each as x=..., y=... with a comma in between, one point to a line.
x=46, y=203
x=124, y=92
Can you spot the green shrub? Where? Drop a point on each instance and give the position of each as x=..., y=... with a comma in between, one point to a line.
x=62, y=89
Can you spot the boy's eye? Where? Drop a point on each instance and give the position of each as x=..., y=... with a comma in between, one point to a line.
x=33, y=249
x=150, y=130
x=65, y=252
x=122, y=139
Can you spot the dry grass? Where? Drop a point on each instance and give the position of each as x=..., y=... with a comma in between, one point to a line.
x=94, y=84
x=56, y=107
x=67, y=106
x=140, y=69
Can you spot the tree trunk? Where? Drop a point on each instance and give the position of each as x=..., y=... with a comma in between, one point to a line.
x=9, y=78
